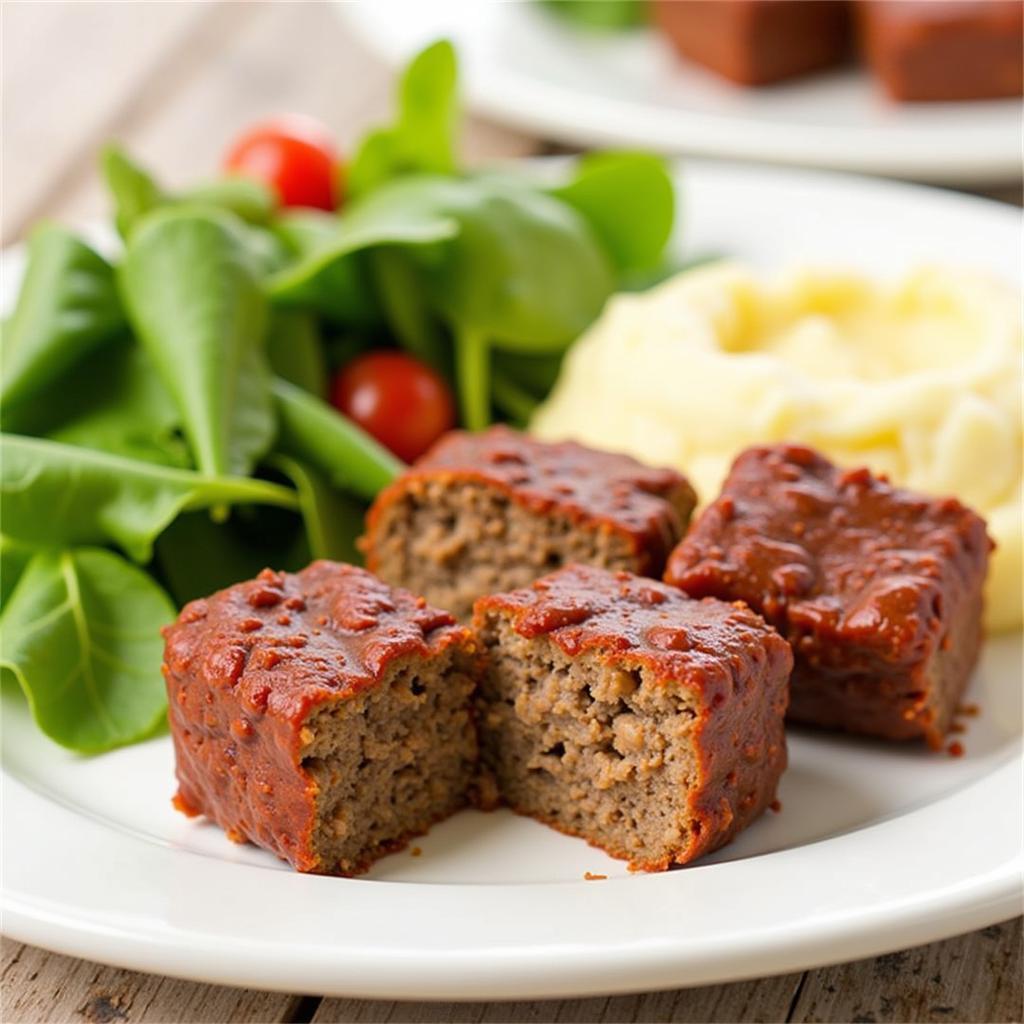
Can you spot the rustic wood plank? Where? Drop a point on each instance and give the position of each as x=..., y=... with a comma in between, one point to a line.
x=975, y=977
x=767, y=1000
x=67, y=69
x=45, y=988
x=243, y=63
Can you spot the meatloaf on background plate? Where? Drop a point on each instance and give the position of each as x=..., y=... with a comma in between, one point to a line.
x=481, y=513
x=615, y=708
x=757, y=42
x=878, y=590
x=323, y=715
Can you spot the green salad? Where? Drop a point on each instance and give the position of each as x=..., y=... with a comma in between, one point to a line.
x=231, y=388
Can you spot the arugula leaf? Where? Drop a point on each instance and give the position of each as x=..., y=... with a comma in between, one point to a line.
x=194, y=299
x=341, y=292
x=422, y=137
x=295, y=352
x=312, y=432
x=333, y=520
x=136, y=192
x=502, y=264
x=629, y=201
x=406, y=308
x=57, y=494
x=309, y=281
x=133, y=189
x=118, y=405
x=81, y=634
x=523, y=273
x=67, y=307
x=247, y=198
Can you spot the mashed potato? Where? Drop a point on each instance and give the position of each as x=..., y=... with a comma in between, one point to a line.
x=921, y=381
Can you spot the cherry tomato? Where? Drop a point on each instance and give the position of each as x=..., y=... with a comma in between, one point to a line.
x=295, y=156
x=395, y=398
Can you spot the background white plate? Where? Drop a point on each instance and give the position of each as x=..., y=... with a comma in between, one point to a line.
x=877, y=847
x=524, y=66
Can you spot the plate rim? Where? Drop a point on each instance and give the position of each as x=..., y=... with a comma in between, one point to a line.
x=112, y=933
x=532, y=969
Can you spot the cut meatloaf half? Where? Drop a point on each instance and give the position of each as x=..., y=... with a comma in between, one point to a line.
x=481, y=513
x=324, y=715
x=617, y=709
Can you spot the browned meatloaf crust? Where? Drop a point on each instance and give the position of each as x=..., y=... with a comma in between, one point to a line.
x=492, y=511
x=878, y=590
x=946, y=50
x=757, y=42
x=323, y=715
x=617, y=709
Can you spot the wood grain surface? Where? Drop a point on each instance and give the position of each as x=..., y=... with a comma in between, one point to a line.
x=173, y=82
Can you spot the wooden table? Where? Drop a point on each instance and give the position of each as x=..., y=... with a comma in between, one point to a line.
x=173, y=82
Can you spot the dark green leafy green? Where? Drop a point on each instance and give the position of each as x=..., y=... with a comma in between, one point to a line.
x=340, y=292
x=133, y=189
x=67, y=307
x=57, y=494
x=251, y=200
x=310, y=281
x=629, y=201
x=313, y=433
x=135, y=193
x=81, y=634
x=117, y=404
x=523, y=269
x=422, y=139
x=14, y=556
x=406, y=308
x=196, y=556
x=605, y=15
x=295, y=351
x=523, y=273
x=332, y=520
x=194, y=299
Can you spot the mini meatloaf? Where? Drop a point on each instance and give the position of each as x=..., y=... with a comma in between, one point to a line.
x=615, y=708
x=925, y=50
x=324, y=715
x=492, y=511
x=878, y=590
x=757, y=42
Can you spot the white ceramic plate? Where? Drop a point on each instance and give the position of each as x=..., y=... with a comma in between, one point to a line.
x=877, y=847
x=524, y=66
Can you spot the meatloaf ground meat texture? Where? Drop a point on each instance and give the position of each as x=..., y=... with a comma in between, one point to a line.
x=879, y=590
x=324, y=715
x=616, y=709
x=487, y=512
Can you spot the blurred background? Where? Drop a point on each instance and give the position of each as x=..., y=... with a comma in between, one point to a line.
x=175, y=82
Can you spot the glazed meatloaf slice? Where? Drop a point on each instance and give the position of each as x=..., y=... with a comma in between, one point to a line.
x=757, y=42
x=324, y=715
x=943, y=51
x=615, y=708
x=480, y=513
x=878, y=590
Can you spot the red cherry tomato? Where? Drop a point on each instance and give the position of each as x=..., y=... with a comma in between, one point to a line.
x=295, y=156
x=395, y=398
